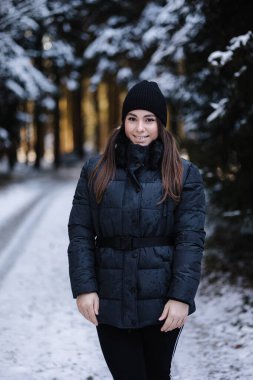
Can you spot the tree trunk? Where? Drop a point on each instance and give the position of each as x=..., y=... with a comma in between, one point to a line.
x=39, y=130
x=114, y=104
x=97, y=129
x=56, y=133
x=76, y=116
x=39, y=144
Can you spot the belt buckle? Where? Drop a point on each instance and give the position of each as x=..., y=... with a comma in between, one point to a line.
x=126, y=242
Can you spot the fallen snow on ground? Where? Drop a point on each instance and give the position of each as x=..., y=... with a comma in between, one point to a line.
x=21, y=194
x=216, y=342
x=44, y=337
x=25, y=185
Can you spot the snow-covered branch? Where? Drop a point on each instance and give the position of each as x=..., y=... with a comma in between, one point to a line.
x=220, y=58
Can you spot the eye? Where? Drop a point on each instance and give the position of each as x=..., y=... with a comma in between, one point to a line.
x=131, y=118
x=150, y=120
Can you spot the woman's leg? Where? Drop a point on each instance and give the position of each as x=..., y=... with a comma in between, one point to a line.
x=123, y=352
x=159, y=348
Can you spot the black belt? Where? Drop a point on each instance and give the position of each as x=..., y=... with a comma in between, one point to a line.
x=129, y=242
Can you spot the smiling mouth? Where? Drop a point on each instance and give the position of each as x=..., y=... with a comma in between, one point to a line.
x=140, y=137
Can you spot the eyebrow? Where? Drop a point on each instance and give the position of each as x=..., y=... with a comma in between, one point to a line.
x=152, y=115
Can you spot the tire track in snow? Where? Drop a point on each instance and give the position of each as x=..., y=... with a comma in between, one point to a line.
x=43, y=335
x=15, y=233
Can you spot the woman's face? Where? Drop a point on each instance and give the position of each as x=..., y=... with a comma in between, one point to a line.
x=141, y=127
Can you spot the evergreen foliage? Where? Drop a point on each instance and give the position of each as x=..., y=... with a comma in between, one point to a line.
x=200, y=53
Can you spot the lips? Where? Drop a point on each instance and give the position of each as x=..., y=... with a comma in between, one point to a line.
x=140, y=137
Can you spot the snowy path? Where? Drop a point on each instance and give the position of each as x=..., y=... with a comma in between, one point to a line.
x=19, y=222
x=43, y=336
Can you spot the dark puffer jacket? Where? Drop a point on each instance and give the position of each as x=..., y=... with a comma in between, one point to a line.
x=134, y=285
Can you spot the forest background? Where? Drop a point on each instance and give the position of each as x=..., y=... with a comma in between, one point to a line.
x=66, y=65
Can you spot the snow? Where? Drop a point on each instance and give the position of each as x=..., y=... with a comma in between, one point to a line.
x=48, y=103
x=229, y=58
x=33, y=79
x=180, y=38
x=24, y=117
x=220, y=58
x=236, y=42
x=147, y=19
x=22, y=15
x=113, y=41
x=66, y=27
x=44, y=337
x=219, y=110
x=104, y=65
x=157, y=27
x=217, y=343
x=114, y=20
x=124, y=74
x=23, y=78
x=3, y=134
x=172, y=6
x=16, y=88
x=29, y=23
x=72, y=84
x=61, y=52
x=232, y=213
x=169, y=40
x=20, y=196
x=165, y=32
x=238, y=73
x=152, y=35
x=17, y=71
x=73, y=81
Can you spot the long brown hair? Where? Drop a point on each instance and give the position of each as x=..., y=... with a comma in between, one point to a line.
x=171, y=168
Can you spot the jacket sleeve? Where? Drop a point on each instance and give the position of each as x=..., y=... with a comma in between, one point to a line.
x=81, y=240
x=189, y=220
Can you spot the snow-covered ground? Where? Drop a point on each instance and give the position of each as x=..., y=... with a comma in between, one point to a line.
x=43, y=336
x=21, y=195
x=216, y=342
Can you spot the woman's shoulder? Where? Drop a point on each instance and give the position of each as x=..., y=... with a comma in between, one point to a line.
x=191, y=172
x=90, y=163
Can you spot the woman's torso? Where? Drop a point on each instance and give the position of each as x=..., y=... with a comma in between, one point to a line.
x=133, y=284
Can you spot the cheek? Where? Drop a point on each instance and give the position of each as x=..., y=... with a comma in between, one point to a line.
x=154, y=132
x=129, y=128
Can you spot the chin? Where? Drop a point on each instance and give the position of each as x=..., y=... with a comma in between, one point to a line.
x=147, y=142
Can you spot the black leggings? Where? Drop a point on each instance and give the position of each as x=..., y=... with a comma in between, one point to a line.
x=141, y=354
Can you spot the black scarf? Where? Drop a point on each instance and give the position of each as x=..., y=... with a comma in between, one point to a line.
x=133, y=156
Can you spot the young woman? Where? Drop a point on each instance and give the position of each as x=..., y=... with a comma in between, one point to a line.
x=136, y=233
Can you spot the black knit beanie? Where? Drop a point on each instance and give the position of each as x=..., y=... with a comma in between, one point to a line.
x=146, y=95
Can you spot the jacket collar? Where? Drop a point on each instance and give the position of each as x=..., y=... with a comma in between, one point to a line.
x=133, y=156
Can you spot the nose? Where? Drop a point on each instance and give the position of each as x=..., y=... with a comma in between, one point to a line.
x=140, y=126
